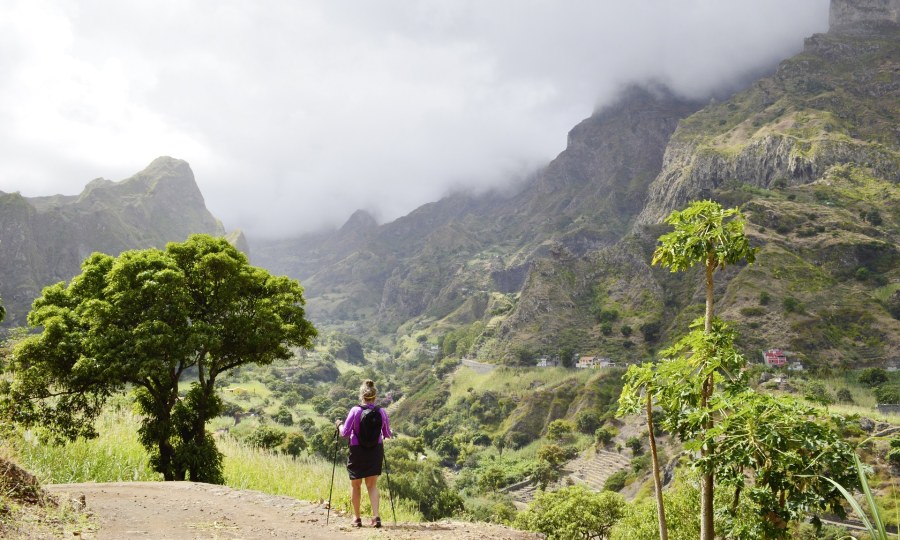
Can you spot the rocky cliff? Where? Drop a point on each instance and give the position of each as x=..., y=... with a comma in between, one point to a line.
x=811, y=153
x=44, y=239
x=834, y=103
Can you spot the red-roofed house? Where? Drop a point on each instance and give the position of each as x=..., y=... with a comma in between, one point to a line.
x=775, y=357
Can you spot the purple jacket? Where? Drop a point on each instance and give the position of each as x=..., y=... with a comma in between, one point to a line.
x=350, y=427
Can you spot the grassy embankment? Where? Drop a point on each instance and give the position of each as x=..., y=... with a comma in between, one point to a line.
x=116, y=456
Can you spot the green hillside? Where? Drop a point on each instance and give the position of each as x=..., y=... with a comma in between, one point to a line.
x=811, y=154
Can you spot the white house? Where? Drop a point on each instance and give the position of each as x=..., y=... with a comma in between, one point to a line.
x=591, y=362
x=587, y=362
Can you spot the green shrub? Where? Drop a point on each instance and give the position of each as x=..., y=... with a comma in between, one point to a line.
x=844, y=396
x=588, y=422
x=559, y=430
x=572, y=512
x=651, y=330
x=266, y=437
x=817, y=392
x=873, y=377
x=283, y=417
x=752, y=311
x=791, y=305
x=294, y=444
x=605, y=435
x=764, y=298
x=888, y=394
x=615, y=481
x=636, y=445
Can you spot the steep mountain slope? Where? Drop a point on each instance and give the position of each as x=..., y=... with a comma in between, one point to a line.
x=437, y=258
x=44, y=239
x=811, y=153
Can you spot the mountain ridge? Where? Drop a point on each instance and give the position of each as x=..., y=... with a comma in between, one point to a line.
x=44, y=239
x=563, y=263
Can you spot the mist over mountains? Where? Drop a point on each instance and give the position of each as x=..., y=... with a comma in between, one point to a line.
x=803, y=151
x=294, y=116
x=560, y=262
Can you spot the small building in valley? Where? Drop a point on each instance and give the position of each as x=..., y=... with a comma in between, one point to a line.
x=547, y=362
x=587, y=362
x=590, y=362
x=775, y=358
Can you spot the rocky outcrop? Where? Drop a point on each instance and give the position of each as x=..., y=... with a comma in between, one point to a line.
x=833, y=104
x=858, y=15
x=43, y=240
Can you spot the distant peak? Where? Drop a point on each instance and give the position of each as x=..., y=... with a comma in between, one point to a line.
x=167, y=166
x=360, y=220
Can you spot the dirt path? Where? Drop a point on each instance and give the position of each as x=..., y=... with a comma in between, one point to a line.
x=479, y=367
x=189, y=511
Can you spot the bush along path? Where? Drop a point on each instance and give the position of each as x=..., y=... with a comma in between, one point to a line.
x=193, y=510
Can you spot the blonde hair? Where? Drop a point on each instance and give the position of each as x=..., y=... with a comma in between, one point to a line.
x=367, y=391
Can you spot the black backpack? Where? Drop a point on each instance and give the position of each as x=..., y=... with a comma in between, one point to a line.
x=369, y=427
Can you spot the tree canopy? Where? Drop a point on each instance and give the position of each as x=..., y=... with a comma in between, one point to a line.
x=143, y=320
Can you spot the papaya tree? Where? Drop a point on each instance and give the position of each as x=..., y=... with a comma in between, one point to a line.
x=705, y=233
x=141, y=321
x=638, y=395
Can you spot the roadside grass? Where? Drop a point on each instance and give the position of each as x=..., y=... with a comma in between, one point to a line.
x=117, y=456
x=306, y=477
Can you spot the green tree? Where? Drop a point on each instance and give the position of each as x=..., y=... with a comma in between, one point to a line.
x=604, y=435
x=294, y=444
x=588, y=421
x=266, y=437
x=573, y=513
x=141, y=320
x=640, y=379
x=873, y=377
x=787, y=450
x=682, y=503
x=420, y=481
x=705, y=233
x=283, y=416
x=559, y=430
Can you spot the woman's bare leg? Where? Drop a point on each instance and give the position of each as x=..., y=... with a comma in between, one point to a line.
x=372, y=488
x=355, y=494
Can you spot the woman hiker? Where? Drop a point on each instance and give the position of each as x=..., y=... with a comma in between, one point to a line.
x=366, y=426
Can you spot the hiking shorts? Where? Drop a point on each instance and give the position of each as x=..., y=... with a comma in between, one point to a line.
x=364, y=462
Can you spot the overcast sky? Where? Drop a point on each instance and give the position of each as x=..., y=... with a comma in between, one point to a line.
x=293, y=114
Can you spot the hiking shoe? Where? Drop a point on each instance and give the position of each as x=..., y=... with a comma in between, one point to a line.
x=357, y=522
x=376, y=522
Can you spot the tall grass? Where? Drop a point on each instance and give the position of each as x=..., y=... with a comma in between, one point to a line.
x=117, y=456
x=307, y=478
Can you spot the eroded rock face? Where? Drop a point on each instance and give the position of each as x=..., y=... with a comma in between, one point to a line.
x=832, y=104
x=43, y=240
x=848, y=15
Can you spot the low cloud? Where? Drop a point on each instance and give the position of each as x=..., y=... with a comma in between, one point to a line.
x=294, y=114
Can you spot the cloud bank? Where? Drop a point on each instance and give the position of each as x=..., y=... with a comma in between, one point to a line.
x=295, y=114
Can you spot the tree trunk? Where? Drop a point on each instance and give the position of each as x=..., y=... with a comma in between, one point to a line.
x=657, y=483
x=707, y=526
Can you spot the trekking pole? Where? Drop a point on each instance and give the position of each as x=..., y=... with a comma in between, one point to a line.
x=387, y=474
x=333, y=467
